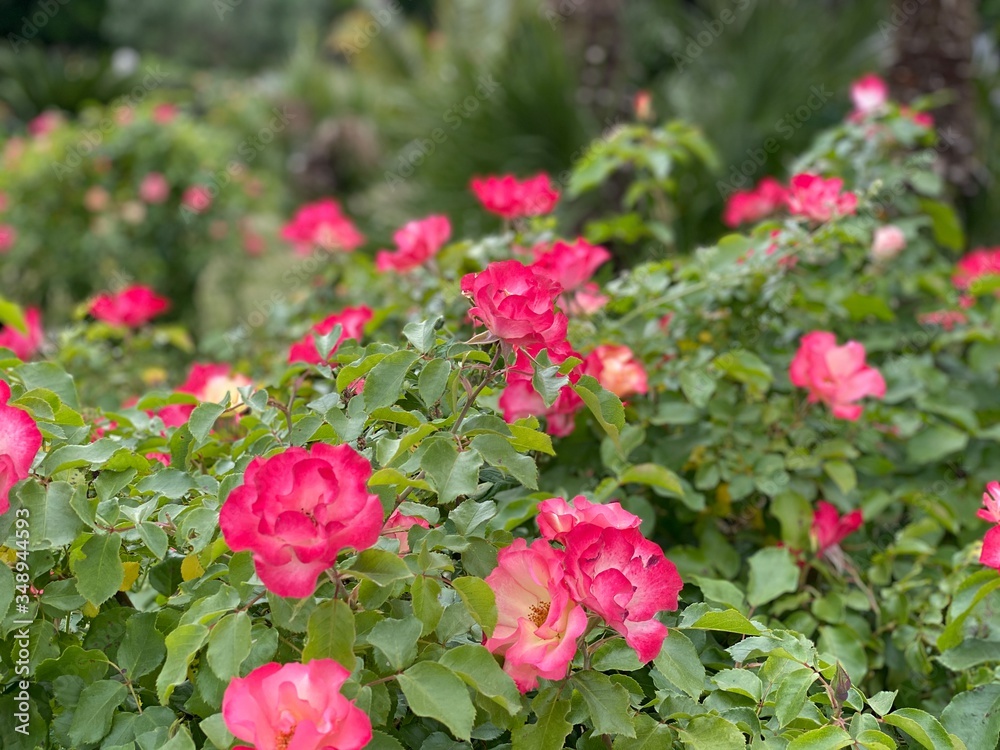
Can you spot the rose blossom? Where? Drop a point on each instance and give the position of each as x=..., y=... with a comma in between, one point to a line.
x=511, y=199
x=520, y=399
x=154, y=188
x=974, y=266
x=164, y=113
x=869, y=94
x=571, y=265
x=515, y=304
x=132, y=307
x=745, y=206
x=8, y=236
x=398, y=525
x=295, y=707
x=20, y=440
x=617, y=370
x=45, y=123
x=297, y=510
x=537, y=620
x=416, y=243
x=322, y=224
x=835, y=375
x=197, y=198
x=623, y=577
x=888, y=242
x=815, y=198
x=211, y=383
x=24, y=345
x=352, y=321
x=556, y=517
x=829, y=528
x=990, y=554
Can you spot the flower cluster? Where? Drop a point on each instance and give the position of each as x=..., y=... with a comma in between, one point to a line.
x=416, y=243
x=510, y=198
x=836, y=375
x=544, y=593
x=322, y=224
x=296, y=511
x=132, y=307
x=807, y=195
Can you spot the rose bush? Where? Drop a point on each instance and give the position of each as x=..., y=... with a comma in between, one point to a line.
x=775, y=541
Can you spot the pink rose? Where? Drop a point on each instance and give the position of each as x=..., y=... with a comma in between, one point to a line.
x=570, y=265
x=642, y=105
x=829, y=528
x=397, y=526
x=587, y=300
x=835, y=375
x=745, y=206
x=921, y=119
x=352, y=321
x=617, y=370
x=45, y=123
x=556, y=517
x=322, y=224
x=947, y=319
x=297, y=510
x=211, y=383
x=20, y=440
x=416, y=243
x=154, y=188
x=132, y=307
x=537, y=620
x=520, y=399
x=818, y=199
x=197, y=198
x=507, y=197
x=973, y=266
x=990, y=555
x=8, y=236
x=991, y=502
x=295, y=707
x=24, y=345
x=888, y=242
x=515, y=304
x=164, y=113
x=623, y=577
x=869, y=94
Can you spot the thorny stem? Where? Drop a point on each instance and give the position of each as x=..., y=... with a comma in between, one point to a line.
x=471, y=399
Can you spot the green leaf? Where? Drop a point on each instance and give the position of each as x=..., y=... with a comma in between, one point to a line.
x=712, y=733
x=52, y=521
x=881, y=703
x=604, y=405
x=791, y=695
x=498, y=452
x=203, y=418
x=649, y=735
x=550, y=728
x=922, y=727
x=380, y=566
x=229, y=645
x=173, y=484
x=745, y=367
x=471, y=517
x=944, y=223
x=214, y=728
x=952, y=635
x=51, y=377
x=824, y=738
x=95, y=710
x=426, y=605
x=967, y=654
x=842, y=474
x=479, y=599
x=729, y=621
x=180, y=741
x=98, y=569
x=12, y=315
x=432, y=380
x=384, y=384
x=479, y=669
x=615, y=655
x=182, y=644
x=679, y=662
x=607, y=703
x=330, y=634
x=974, y=716
x=740, y=681
x=381, y=741
x=143, y=646
x=773, y=572
x=653, y=475
x=934, y=443
x=397, y=640
x=546, y=378
x=434, y=691
x=423, y=334
x=451, y=473
x=528, y=439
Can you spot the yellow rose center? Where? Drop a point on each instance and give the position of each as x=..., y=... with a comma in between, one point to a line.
x=539, y=613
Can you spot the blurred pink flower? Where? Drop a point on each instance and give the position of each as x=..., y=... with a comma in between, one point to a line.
x=416, y=243
x=512, y=199
x=835, y=375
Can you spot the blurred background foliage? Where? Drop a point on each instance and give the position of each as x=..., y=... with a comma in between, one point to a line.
x=393, y=105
